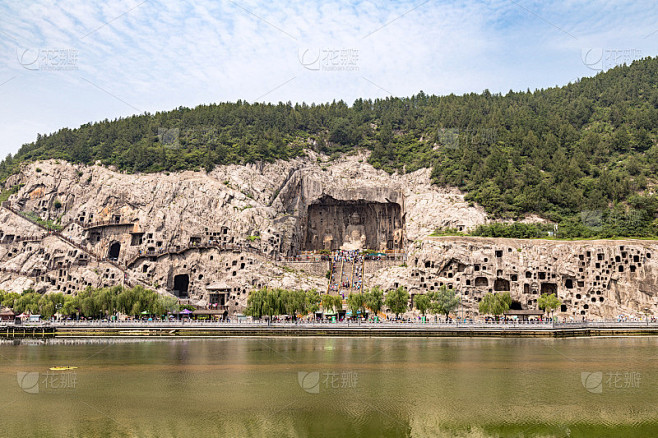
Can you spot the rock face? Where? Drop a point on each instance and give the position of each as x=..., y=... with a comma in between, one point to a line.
x=593, y=279
x=334, y=224
x=213, y=237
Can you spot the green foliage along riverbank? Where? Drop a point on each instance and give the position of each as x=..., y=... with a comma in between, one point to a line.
x=91, y=303
x=587, y=146
x=276, y=302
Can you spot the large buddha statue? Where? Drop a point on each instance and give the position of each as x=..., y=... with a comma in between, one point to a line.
x=355, y=234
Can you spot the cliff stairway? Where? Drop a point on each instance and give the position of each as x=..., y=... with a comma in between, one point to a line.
x=198, y=246
x=358, y=266
x=109, y=223
x=334, y=281
x=346, y=275
x=38, y=238
x=69, y=241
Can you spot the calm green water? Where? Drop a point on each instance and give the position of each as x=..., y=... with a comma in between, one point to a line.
x=349, y=387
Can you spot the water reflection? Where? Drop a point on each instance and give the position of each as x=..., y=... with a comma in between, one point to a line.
x=348, y=386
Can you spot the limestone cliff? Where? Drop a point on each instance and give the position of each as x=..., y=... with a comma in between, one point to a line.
x=593, y=279
x=195, y=230
x=213, y=237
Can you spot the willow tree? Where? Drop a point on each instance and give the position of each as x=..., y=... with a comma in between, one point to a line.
x=356, y=302
x=331, y=302
x=422, y=302
x=495, y=304
x=397, y=300
x=375, y=299
x=313, y=301
x=256, y=303
x=444, y=301
x=548, y=303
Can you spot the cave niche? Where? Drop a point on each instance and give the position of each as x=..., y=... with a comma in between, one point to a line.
x=354, y=224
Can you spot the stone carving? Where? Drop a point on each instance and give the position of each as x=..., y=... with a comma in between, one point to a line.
x=236, y=225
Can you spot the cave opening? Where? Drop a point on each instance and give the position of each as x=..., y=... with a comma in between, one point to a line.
x=218, y=298
x=181, y=284
x=549, y=288
x=501, y=284
x=337, y=224
x=113, y=253
x=516, y=305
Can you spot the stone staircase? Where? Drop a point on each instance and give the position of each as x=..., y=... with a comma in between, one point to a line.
x=198, y=246
x=76, y=245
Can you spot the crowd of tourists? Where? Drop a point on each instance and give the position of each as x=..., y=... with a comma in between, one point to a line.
x=347, y=270
x=357, y=280
x=348, y=256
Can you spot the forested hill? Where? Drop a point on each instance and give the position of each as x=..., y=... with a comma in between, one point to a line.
x=589, y=145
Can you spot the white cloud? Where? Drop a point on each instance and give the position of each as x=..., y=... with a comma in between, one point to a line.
x=157, y=55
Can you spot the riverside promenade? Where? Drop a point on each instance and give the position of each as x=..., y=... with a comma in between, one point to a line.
x=343, y=329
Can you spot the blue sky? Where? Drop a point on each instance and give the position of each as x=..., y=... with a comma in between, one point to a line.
x=71, y=62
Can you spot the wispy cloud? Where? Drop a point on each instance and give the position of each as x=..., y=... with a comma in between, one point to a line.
x=136, y=55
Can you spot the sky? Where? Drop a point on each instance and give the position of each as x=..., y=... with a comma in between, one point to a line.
x=67, y=63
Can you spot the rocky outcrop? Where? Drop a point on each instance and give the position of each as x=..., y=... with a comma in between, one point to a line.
x=213, y=237
x=235, y=224
x=593, y=279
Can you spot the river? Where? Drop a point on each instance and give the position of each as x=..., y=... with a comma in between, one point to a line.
x=310, y=387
